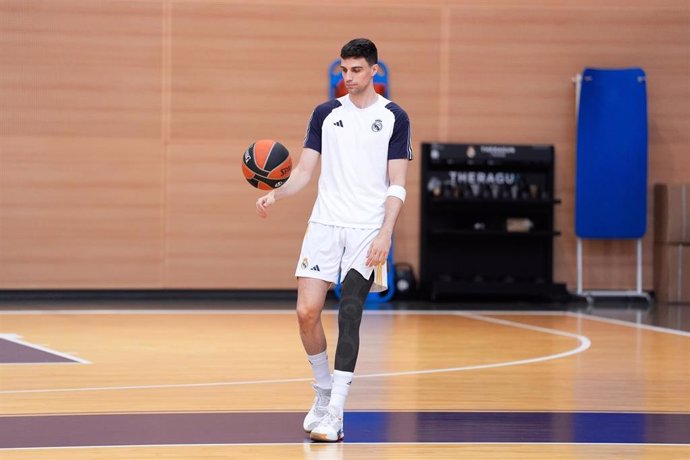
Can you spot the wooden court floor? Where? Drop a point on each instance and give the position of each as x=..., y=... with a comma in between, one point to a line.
x=202, y=384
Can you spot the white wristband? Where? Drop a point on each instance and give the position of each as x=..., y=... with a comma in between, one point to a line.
x=397, y=191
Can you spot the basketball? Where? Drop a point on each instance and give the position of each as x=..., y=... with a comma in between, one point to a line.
x=266, y=164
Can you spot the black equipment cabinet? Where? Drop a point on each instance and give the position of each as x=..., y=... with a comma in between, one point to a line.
x=487, y=221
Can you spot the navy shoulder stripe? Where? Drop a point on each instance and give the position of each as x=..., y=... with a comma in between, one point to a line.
x=400, y=144
x=312, y=139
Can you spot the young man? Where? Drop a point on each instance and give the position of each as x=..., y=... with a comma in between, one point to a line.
x=364, y=143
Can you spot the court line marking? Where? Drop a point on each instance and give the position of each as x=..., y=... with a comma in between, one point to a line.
x=620, y=322
x=584, y=344
x=16, y=339
x=324, y=448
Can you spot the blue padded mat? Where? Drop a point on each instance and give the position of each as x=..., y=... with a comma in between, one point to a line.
x=611, y=180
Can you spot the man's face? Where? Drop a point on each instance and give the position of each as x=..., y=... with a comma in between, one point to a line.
x=357, y=74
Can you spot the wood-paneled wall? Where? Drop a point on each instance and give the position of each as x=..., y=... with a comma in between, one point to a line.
x=122, y=123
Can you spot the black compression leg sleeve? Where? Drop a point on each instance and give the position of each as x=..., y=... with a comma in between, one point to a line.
x=354, y=292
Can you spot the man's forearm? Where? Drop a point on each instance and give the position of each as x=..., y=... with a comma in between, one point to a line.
x=392, y=206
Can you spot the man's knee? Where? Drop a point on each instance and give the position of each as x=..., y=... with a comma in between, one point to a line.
x=307, y=314
x=311, y=295
x=350, y=309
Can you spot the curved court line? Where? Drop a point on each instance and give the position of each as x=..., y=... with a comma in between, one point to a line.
x=584, y=344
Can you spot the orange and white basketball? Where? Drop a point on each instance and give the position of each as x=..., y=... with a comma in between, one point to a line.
x=266, y=164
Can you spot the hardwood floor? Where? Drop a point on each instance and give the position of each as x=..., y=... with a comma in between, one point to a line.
x=229, y=383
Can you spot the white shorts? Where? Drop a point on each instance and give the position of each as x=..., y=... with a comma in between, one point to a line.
x=328, y=251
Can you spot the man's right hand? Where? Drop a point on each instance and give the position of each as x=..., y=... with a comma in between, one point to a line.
x=264, y=202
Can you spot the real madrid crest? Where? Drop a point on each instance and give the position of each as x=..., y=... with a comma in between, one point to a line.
x=377, y=126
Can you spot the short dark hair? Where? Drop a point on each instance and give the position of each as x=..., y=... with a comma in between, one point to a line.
x=360, y=48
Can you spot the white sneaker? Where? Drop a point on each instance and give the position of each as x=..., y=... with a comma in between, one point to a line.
x=318, y=409
x=330, y=429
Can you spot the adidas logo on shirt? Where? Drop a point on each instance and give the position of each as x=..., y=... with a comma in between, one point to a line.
x=315, y=268
x=339, y=123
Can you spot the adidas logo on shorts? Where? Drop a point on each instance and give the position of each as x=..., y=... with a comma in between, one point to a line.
x=315, y=268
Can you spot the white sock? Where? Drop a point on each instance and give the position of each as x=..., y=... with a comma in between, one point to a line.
x=341, y=388
x=319, y=366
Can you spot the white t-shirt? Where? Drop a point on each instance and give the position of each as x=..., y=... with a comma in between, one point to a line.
x=355, y=146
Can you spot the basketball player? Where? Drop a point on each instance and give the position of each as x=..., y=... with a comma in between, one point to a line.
x=364, y=143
